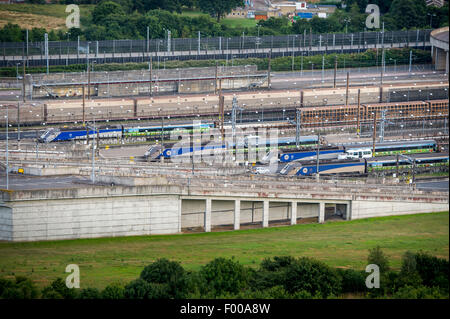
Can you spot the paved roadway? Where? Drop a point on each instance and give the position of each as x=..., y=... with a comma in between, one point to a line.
x=363, y=76
x=21, y=182
x=435, y=185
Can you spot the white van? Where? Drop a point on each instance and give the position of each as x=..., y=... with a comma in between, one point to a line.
x=355, y=153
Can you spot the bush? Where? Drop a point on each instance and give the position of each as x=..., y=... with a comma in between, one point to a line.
x=377, y=257
x=141, y=289
x=312, y=276
x=112, y=291
x=420, y=292
x=271, y=273
x=278, y=263
x=352, y=280
x=224, y=276
x=168, y=273
x=58, y=290
x=21, y=288
x=89, y=293
x=434, y=271
x=276, y=292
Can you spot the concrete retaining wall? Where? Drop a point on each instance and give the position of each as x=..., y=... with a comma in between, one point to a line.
x=6, y=223
x=366, y=209
x=109, y=211
x=89, y=218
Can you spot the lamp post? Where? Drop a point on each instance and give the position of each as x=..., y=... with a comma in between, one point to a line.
x=7, y=151
x=347, y=20
x=395, y=64
x=431, y=18
x=93, y=151
x=67, y=56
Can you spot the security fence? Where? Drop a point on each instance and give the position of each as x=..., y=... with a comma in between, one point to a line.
x=73, y=52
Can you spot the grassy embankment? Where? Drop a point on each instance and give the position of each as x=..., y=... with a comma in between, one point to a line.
x=339, y=244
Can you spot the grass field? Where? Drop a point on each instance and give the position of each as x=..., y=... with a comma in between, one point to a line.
x=339, y=244
x=239, y=22
x=52, y=16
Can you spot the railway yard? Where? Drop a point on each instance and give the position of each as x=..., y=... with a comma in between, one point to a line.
x=283, y=142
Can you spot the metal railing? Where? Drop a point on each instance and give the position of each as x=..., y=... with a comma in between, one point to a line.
x=69, y=52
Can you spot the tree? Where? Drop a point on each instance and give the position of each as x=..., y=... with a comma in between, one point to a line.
x=58, y=290
x=312, y=276
x=300, y=26
x=408, y=13
x=89, y=293
x=170, y=274
x=377, y=257
x=11, y=33
x=219, y=8
x=141, y=289
x=104, y=9
x=352, y=280
x=20, y=288
x=224, y=276
x=434, y=271
x=112, y=291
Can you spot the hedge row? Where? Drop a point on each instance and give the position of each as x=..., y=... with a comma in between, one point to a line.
x=421, y=276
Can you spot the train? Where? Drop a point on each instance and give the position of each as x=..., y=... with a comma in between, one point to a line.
x=348, y=114
x=183, y=106
x=59, y=135
x=361, y=150
x=364, y=166
x=282, y=142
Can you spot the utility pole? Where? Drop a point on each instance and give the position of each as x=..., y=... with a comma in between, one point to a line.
x=318, y=156
x=323, y=68
x=268, y=69
x=7, y=151
x=84, y=104
x=88, y=127
x=396, y=164
x=359, y=113
x=199, y=41
x=27, y=44
x=168, y=40
x=18, y=121
x=310, y=40
x=335, y=71
x=383, y=119
x=148, y=39
x=410, y=61
x=298, y=122
x=346, y=92
x=221, y=114
x=89, y=82
x=151, y=69
x=215, y=81
x=162, y=133
x=23, y=81
x=382, y=54
x=46, y=49
x=374, y=131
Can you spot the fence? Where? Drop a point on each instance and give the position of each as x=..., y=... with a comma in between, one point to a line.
x=70, y=52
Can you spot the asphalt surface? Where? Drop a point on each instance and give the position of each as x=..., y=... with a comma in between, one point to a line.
x=21, y=182
x=436, y=185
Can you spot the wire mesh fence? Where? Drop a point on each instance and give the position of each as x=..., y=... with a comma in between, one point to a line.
x=67, y=52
